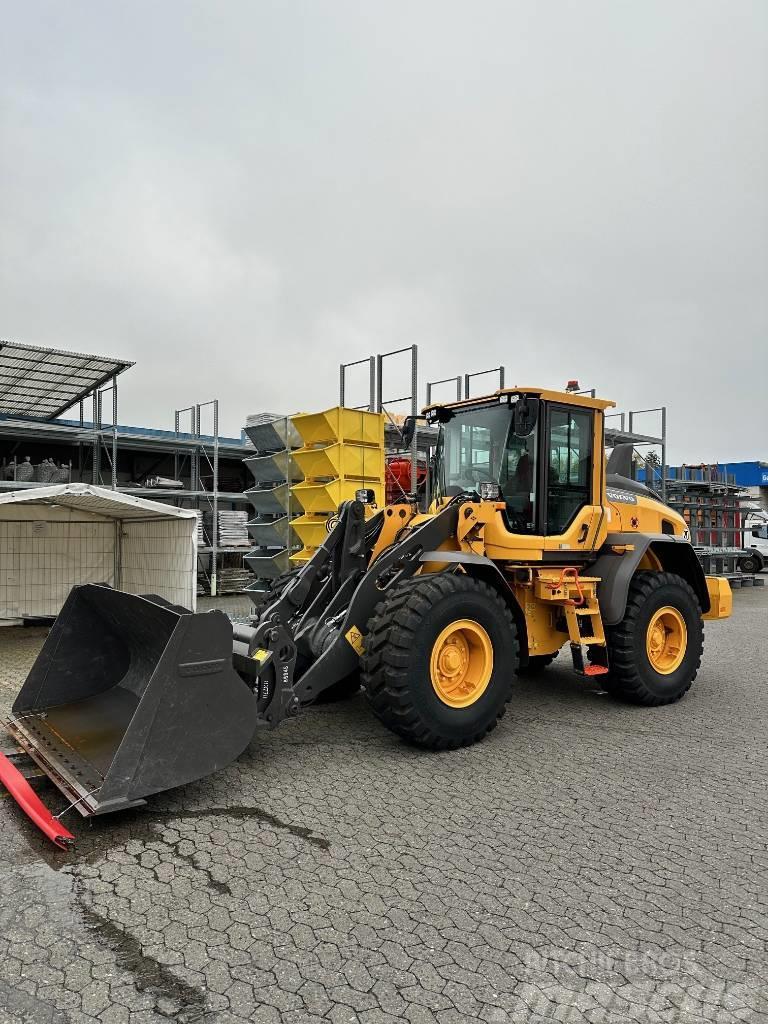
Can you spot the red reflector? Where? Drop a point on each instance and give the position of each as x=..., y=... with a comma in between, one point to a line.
x=595, y=670
x=32, y=805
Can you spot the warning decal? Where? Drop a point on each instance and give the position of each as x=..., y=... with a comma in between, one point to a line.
x=355, y=638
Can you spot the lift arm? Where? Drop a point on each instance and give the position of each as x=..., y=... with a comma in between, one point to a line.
x=313, y=634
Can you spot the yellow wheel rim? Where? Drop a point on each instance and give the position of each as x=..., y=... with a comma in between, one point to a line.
x=666, y=640
x=461, y=664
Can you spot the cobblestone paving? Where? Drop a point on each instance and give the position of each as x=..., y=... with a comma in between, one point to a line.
x=589, y=862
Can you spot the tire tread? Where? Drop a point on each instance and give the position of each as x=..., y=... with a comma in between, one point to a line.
x=624, y=679
x=385, y=663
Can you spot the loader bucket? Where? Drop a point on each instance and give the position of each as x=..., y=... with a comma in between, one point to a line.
x=130, y=696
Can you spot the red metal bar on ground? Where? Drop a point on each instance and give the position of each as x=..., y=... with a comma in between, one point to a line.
x=32, y=805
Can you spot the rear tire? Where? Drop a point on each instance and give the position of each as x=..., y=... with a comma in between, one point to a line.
x=403, y=674
x=655, y=652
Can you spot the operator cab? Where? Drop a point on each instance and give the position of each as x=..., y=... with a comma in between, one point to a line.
x=539, y=451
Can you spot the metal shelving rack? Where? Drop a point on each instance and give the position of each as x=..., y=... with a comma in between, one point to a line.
x=412, y=398
x=193, y=452
x=716, y=509
x=464, y=382
x=624, y=433
x=370, y=361
x=38, y=386
x=380, y=401
x=204, y=450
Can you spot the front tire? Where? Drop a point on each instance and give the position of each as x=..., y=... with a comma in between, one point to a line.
x=655, y=652
x=440, y=658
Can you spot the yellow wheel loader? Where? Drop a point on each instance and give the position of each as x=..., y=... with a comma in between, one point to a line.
x=532, y=542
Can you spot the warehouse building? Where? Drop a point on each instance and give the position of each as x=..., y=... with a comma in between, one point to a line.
x=59, y=425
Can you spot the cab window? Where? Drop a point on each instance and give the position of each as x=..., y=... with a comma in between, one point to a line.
x=518, y=482
x=471, y=447
x=510, y=460
x=479, y=445
x=569, y=476
x=476, y=445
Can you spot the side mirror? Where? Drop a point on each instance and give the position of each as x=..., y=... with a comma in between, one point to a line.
x=525, y=415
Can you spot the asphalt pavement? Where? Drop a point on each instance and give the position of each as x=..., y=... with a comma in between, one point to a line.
x=588, y=862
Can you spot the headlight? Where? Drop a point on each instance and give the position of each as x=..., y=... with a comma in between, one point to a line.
x=365, y=495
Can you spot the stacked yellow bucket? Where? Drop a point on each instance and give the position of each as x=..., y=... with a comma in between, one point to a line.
x=343, y=452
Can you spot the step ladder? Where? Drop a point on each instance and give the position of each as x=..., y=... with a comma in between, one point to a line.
x=577, y=595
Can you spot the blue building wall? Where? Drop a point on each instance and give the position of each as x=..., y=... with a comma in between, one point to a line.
x=746, y=474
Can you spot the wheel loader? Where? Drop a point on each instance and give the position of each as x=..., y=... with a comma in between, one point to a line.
x=533, y=541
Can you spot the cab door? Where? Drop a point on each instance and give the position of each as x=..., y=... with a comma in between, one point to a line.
x=570, y=508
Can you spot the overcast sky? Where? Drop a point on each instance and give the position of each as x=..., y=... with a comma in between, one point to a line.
x=241, y=195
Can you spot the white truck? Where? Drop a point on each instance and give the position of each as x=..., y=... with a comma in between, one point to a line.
x=755, y=558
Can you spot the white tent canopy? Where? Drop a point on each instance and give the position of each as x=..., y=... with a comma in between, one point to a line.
x=54, y=538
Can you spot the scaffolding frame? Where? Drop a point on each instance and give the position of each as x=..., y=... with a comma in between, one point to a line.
x=625, y=433
x=717, y=512
x=195, y=490
x=468, y=377
x=463, y=382
x=371, y=360
x=99, y=441
x=413, y=398
x=446, y=380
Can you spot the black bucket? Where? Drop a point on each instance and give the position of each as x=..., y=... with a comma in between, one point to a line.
x=130, y=696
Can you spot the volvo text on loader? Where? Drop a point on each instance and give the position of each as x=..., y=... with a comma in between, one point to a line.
x=531, y=542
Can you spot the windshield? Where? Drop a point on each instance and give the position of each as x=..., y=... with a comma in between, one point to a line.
x=477, y=445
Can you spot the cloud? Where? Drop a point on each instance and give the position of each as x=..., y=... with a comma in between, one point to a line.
x=242, y=196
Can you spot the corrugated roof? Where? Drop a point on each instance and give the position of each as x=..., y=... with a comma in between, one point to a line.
x=45, y=382
x=100, y=500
